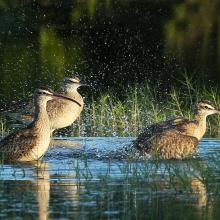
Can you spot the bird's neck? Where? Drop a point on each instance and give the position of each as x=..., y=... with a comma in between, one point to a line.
x=200, y=120
x=69, y=89
x=71, y=92
x=41, y=117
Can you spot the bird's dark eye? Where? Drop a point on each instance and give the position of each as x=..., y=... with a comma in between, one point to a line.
x=206, y=107
x=70, y=81
x=43, y=93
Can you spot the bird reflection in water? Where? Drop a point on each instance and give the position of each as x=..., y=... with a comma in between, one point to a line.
x=42, y=186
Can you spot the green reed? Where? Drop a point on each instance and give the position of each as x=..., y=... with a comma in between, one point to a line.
x=138, y=106
x=3, y=128
x=191, y=175
x=142, y=105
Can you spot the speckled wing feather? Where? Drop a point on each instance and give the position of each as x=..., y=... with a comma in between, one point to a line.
x=180, y=124
x=143, y=140
x=23, y=106
x=171, y=144
x=21, y=111
x=12, y=146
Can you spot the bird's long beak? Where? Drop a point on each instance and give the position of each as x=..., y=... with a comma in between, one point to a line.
x=82, y=84
x=59, y=96
x=217, y=111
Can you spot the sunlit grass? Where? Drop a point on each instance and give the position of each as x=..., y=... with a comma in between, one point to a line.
x=139, y=106
x=3, y=129
x=110, y=115
x=135, y=186
x=191, y=175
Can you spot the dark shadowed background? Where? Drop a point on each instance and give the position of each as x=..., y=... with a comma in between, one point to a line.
x=110, y=44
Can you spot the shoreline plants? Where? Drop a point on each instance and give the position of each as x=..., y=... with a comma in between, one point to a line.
x=141, y=105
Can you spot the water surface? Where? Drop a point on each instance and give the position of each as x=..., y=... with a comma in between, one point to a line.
x=86, y=179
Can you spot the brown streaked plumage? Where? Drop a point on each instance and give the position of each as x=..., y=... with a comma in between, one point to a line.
x=32, y=142
x=175, y=138
x=62, y=113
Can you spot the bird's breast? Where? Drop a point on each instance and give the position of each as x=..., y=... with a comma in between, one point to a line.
x=40, y=144
x=64, y=115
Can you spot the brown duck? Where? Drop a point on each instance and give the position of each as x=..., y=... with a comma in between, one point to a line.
x=31, y=143
x=175, y=138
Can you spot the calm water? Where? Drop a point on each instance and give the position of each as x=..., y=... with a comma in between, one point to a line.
x=87, y=180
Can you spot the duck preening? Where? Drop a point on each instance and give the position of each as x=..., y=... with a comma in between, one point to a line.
x=175, y=138
x=31, y=143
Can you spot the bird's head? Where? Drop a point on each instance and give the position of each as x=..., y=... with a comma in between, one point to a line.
x=206, y=108
x=72, y=84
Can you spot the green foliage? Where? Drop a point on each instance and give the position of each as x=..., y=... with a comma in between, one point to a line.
x=3, y=129
x=112, y=116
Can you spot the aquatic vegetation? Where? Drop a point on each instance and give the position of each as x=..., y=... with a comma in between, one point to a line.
x=143, y=104
x=85, y=187
x=3, y=129
x=140, y=105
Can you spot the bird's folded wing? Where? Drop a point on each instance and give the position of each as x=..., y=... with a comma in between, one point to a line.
x=18, y=142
